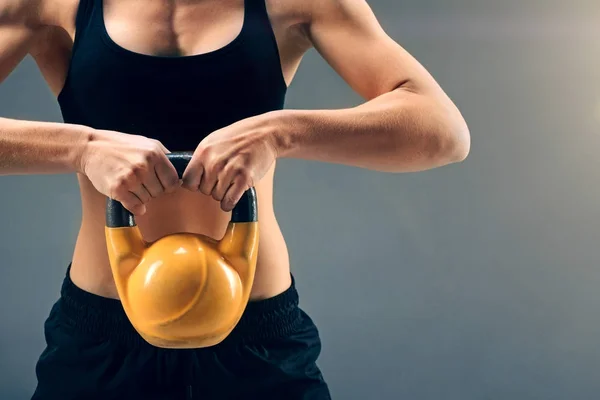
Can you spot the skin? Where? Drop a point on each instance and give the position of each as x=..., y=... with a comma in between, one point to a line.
x=406, y=124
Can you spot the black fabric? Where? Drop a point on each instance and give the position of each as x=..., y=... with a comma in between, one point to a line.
x=93, y=352
x=176, y=100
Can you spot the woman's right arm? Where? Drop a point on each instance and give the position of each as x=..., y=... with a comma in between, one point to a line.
x=130, y=168
x=28, y=147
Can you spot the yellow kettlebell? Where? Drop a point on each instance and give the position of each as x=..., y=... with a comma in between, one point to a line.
x=184, y=290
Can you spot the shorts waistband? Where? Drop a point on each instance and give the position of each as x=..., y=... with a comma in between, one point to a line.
x=104, y=317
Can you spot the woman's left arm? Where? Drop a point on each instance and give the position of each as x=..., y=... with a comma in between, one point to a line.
x=407, y=124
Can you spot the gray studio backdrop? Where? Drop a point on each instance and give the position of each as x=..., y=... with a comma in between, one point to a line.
x=474, y=281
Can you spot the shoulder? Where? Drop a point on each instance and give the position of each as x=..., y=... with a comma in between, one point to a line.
x=19, y=12
x=309, y=10
x=38, y=14
x=304, y=15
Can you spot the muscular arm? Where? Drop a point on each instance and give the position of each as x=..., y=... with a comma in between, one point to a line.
x=28, y=147
x=407, y=124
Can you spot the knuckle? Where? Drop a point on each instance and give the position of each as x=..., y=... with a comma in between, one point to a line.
x=135, y=170
x=158, y=148
x=121, y=183
x=244, y=180
x=235, y=172
x=204, y=152
x=245, y=175
x=211, y=168
x=140, y=166
x=150, y=156
x=228, y=201
x=240, y=171
x=201, y=156
x=129, y=177
x=209, y=172
x=233, y=169
x=209, y=158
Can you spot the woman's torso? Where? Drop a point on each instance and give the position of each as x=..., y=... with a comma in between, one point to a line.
x=186, y=30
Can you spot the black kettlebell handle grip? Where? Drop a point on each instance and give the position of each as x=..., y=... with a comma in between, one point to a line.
x=245, y=210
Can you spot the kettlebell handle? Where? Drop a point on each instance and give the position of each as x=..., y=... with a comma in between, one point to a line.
x=245, y=210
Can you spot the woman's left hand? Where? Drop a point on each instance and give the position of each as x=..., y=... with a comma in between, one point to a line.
x=231, y=160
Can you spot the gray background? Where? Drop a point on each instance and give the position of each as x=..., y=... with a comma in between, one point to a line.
x=474, y=281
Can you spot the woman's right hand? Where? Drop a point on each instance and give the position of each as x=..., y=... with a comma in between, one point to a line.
x=131, y=169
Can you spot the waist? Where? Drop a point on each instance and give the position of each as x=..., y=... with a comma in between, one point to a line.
x=180, y=212
x=105, y=318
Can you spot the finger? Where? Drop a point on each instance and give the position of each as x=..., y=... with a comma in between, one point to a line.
x=132, y=203
x=234, y=194
x=167, y=175
x=153, y=184
x=193, y=175
x=208, y=181
x=225, y=180
x=142, y=193
x=162, y=147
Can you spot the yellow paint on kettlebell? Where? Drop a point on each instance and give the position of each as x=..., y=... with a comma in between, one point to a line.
x=184, y=290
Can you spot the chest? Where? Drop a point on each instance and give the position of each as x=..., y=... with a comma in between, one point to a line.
x=173, y=28
x=170, y=28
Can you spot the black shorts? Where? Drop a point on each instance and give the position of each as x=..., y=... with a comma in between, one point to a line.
x=93, y=352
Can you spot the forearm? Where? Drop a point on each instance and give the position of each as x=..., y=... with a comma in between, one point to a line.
x=28, y=147
x=400, y=131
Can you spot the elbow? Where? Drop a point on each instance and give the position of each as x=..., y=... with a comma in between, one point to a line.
x=440, y=133
x=446, y=138
x=439, y=147
x=447, y=146
x=457, y=142
x=449, y=139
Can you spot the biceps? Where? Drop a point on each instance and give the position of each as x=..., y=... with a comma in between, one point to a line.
x=354, y=44
x=15, y=42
